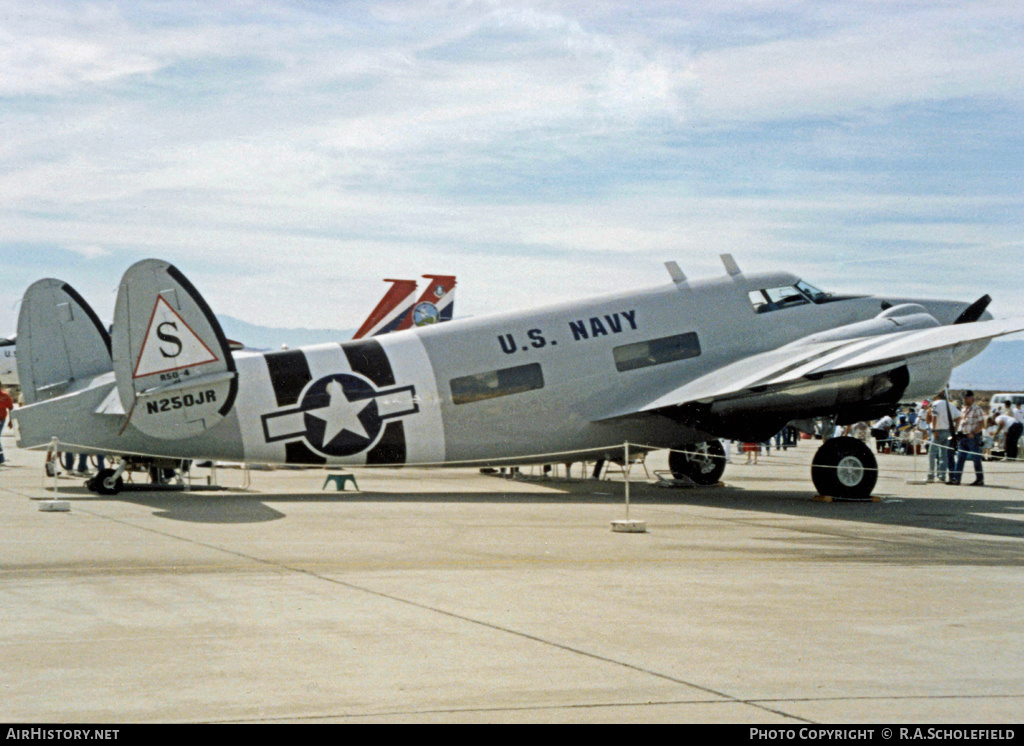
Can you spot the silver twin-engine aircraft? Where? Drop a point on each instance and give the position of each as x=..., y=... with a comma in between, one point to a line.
x=8, y=363
x=677, y=366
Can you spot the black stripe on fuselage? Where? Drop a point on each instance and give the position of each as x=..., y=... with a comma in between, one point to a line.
x=390, y=449
x=368, y=359
x=289, y=374
x=297, y=452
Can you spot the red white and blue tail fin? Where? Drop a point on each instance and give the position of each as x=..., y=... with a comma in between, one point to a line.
x=391, y=311
x=437, y=303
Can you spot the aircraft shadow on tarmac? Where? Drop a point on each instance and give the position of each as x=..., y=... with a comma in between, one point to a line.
x=988, y=512
x=203, y=505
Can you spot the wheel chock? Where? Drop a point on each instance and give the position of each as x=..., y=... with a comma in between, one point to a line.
x=830, y=499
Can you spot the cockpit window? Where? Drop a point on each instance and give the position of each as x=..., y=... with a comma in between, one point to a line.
x=774, y=299
x=816, y=296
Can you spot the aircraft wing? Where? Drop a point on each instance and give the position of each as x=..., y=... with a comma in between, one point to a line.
x=803, y=380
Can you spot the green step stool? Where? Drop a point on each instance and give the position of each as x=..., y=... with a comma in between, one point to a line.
x=340, y=480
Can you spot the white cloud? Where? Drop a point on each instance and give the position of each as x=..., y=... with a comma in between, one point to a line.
x=886, y=57
x=90, y=251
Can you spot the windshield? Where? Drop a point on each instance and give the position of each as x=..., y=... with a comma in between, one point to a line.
x=816, y=296
x=787, y=296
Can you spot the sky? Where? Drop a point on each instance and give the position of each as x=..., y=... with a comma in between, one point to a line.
x=289, y=156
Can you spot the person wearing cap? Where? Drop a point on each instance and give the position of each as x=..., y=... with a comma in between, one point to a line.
x=970, y=427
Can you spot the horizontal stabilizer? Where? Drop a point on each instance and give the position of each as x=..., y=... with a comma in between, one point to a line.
x=174, y=368
x=60, y=341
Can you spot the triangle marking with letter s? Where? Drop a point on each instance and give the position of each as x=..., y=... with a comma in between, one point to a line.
x=170, y=344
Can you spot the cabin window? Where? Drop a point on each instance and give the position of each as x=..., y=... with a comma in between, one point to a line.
x=495, y=383
x=656, y=351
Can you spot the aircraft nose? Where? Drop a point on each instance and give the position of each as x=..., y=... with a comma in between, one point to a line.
x=948, y=312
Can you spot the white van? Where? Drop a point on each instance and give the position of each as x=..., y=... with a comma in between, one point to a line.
x=1000, y=400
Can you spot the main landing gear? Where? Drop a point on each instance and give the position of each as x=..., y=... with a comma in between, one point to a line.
x=845, y=468
x=161, y=473
x=107, y=482
x=702, y=463
x=842, y=467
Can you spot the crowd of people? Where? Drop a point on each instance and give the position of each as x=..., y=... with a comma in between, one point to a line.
x=952, y=433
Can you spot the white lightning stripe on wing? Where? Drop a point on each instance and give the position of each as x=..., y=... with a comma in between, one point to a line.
x=792, y=364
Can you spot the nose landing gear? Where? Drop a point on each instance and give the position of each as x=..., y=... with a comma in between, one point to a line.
x=703, y=463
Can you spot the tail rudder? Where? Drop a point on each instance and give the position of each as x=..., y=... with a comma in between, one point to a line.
x=446, y=302
x=435, y=305
x=175, y=373
x=391, y=311
x=60, y=341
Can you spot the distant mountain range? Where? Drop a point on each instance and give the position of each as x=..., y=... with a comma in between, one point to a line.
x=268, y=338
x=999, y=368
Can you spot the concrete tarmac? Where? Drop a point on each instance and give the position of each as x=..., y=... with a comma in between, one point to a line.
x=452, y=596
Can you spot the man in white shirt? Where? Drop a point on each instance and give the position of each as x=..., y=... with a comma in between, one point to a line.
x=880, y=428
x=1010, y=428
x=941, y=416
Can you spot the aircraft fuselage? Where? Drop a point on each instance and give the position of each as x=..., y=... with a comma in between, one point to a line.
x=527, y=386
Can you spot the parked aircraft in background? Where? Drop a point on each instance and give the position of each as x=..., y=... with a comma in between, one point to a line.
x=8, y=362
x=674, y=366
x=436, y=304
x=397, y=310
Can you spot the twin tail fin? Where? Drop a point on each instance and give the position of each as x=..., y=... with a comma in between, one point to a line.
x=61, y=341
x=175, y=372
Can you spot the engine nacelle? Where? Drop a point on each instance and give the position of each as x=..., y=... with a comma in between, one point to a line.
x=901, y=318
x=928, y=373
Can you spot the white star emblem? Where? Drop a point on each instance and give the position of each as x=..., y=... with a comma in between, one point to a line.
x=341, y=417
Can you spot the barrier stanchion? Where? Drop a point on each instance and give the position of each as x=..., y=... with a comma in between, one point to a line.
x=54, y=504
x=628, y=525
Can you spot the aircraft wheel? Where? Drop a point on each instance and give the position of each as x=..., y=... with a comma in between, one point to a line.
x=704, y=463
x=844, y=467
x=104, y=484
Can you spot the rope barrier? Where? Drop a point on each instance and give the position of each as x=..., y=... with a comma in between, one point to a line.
x=609, y=451
x=887, y=468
